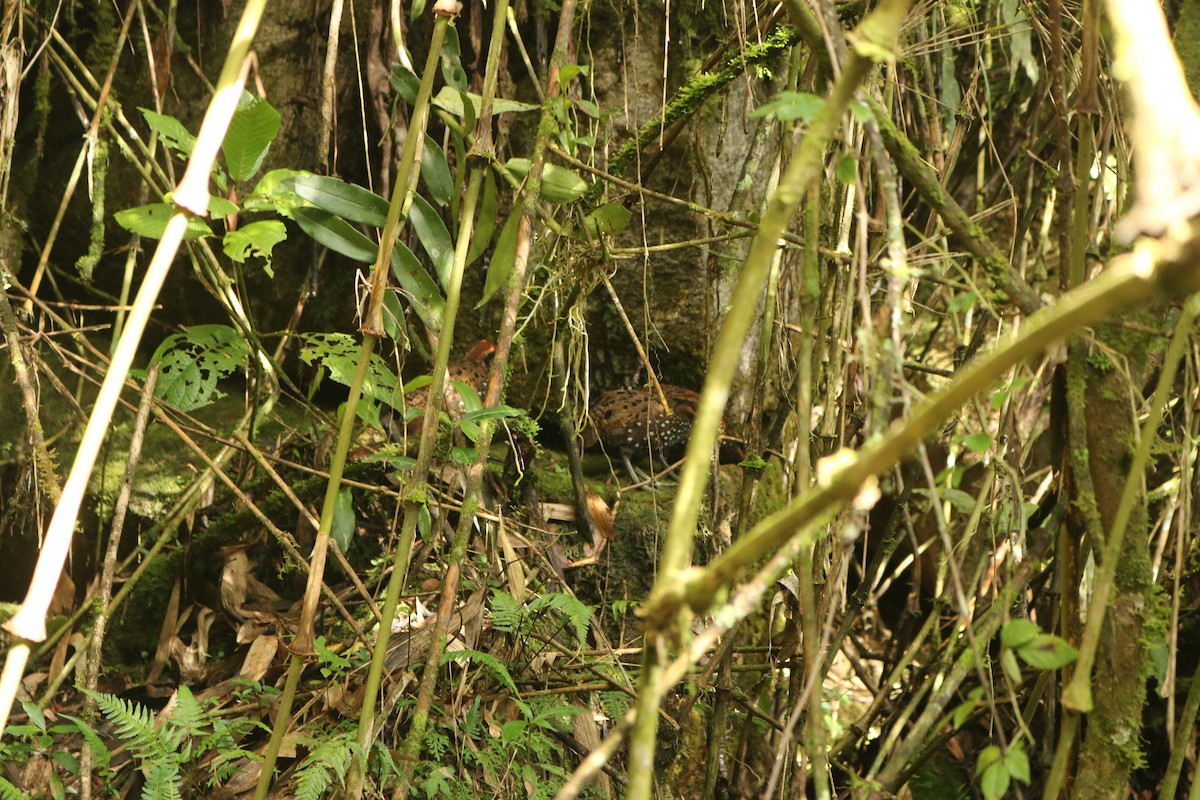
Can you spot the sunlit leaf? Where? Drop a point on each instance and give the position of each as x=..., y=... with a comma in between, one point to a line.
x=252, y=129
x=346, y=200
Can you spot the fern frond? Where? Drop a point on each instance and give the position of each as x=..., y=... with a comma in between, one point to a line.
x=162, y=782
x=578, y=613
x=189, y=716
x=484, y=659
x=100, y=754
x=134, y=724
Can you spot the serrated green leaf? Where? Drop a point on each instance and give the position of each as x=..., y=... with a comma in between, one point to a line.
x=965, y=709
x=962, y=302
x=568, y=74
x=988, y=756
x=435, y=171
x=253, y=128
x=861, y=112
x=1047, y=651
x=503, y=258
x=150, y=221
x=336, y=234
x=346, y=200
x=171, y=131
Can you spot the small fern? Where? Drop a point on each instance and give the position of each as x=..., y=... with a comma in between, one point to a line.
x=509, y=616
x=162, y=783
x=189, y=732
x=9, y=792
x=134, y=724
x=579, y=614
x=484, y=659
x=330, y=757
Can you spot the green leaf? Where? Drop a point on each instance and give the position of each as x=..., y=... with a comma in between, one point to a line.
x=861, y=112
x=171, y=132
x=1020, y=40
x=963, y=502
x=1047, y=651
x=451, y=66
x=405, y=83
x=342, y=529
x=788, y=106
x=485, y=221
x=150, y=221
x=962, y=302
x=493, y=412
x=568, y=73
x=978, y=442
x=192, y=363
x=435, y=171
x=254, y=126
x=487, y=660
x=258, y=238
x=559, y=184
x=451, y=100
x=336, y=234
x=346, y=200
x=274, y=192
x=846, y=170
x=964, y=710
x=418, y=287
x=1008, y=663
x=221, y=207
x=1017, y=764
x=1019, y=633
x=608, y=220
x=512, y=730
x=434, y=237
x=994, y=782
x=502, y=258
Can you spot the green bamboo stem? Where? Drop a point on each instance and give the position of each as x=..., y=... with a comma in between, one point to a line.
x=879, y=27
x=29, y=623
x=372, y=330
x=302, y=645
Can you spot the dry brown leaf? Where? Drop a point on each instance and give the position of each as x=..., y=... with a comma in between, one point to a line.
x=259, y=657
